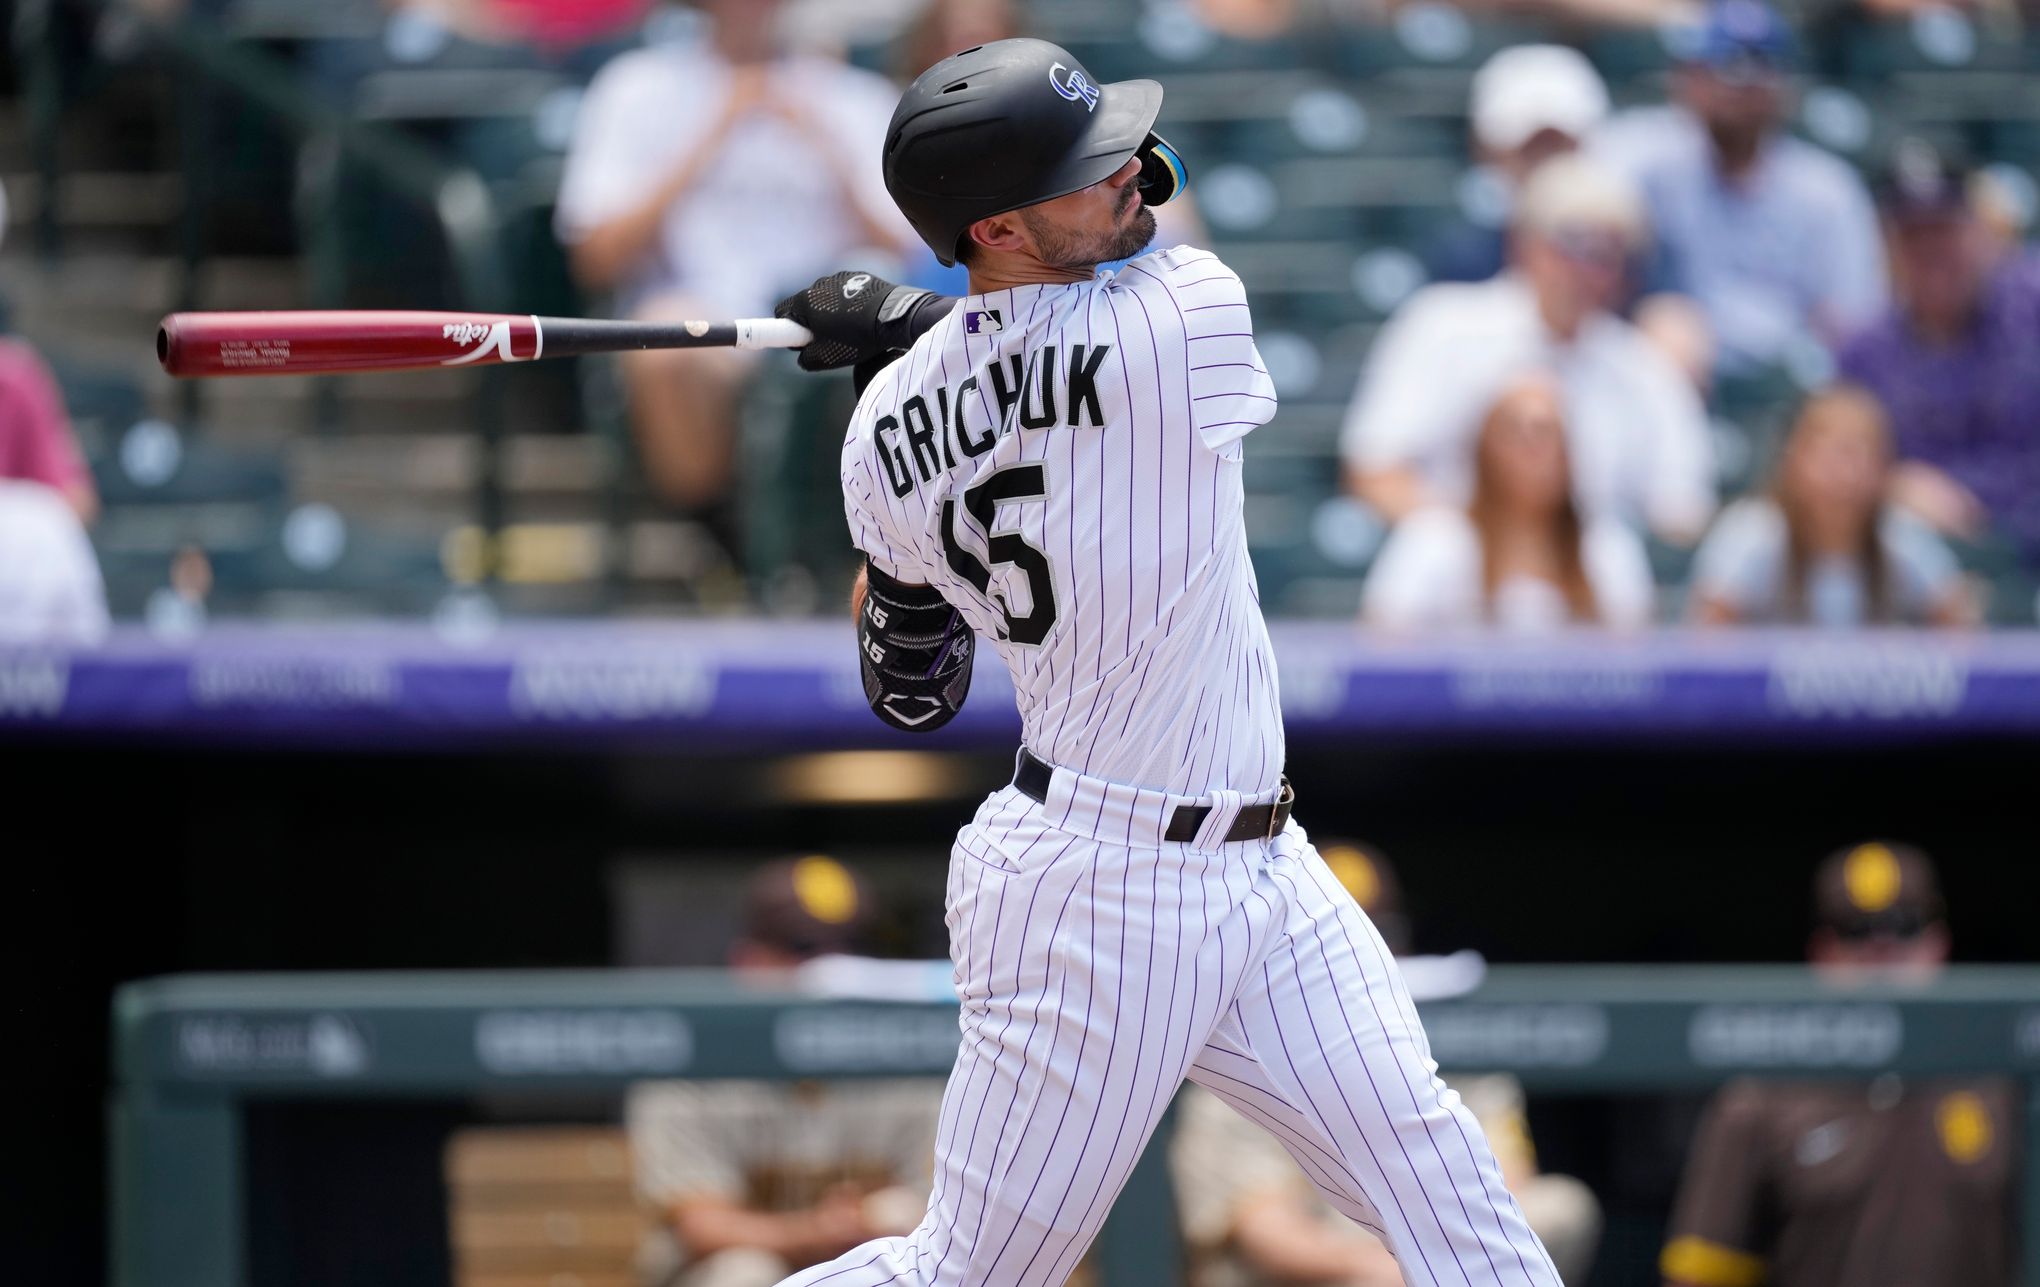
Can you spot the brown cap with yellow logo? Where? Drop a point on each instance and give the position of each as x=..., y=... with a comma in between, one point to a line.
x=1877, y=888
x=809, y=906
x=1367, y=876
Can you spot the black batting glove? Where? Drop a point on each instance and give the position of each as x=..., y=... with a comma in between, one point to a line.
x=859, y=318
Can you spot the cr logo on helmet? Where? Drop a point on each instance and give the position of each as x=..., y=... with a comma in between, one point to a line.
x=1072, y=84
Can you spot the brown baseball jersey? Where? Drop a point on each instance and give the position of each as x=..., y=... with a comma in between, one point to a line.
x=1800, y=1184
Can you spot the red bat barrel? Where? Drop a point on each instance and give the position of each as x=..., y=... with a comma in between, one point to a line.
x=306, y=343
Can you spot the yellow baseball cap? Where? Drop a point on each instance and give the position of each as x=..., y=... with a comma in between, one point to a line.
x=1877, y=887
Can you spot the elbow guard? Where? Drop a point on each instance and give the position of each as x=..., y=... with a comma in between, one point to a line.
x=916, y=654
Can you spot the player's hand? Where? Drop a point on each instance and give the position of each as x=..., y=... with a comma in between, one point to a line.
x=855, y=317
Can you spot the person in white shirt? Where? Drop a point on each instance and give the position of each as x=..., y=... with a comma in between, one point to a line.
x=1519, y=556
x=701, y=183
x=1637, y=433
x=50, y=588
x=1824, y=548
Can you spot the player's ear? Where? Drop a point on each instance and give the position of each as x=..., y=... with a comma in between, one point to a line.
x=999, y=232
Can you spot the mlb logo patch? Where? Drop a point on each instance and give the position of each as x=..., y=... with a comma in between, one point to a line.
x=986, y=322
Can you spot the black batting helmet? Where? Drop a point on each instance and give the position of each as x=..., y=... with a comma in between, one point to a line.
x=1011, y=124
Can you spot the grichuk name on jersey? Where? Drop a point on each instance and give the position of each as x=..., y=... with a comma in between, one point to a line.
x=1037, y=390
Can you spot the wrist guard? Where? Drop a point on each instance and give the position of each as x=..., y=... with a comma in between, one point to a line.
x=915, y=651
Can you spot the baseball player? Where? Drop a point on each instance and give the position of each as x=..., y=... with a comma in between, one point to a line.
x=754, y=1179
x=1054, y=465
x=1823, y=1183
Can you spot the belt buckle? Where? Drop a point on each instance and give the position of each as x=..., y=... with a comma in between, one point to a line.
x=1286, y=795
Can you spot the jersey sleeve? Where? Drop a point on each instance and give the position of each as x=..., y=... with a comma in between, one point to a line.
x=1718, y=1228
x=874, y=519
x=1230, y=392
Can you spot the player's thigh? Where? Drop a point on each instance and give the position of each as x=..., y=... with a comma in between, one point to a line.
x=1081, y=1010
x=1229, y=1068
x=1331, y=1030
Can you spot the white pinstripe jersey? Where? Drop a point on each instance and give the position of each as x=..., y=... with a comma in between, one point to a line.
x=1063, y=464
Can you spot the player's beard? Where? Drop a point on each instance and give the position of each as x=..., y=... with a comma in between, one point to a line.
x=1063, y=248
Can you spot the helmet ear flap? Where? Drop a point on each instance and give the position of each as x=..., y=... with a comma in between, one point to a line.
x=1163, y=175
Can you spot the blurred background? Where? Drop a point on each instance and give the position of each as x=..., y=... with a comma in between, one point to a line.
x=1653, y=513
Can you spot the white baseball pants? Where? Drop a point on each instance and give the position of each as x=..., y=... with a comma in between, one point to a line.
x=1098, y=967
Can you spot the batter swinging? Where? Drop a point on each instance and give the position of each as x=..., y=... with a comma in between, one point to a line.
x=1054, y=465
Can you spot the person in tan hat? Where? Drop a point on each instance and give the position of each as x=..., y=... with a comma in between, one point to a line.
x=1251, y=1217
x=797, y=909
x=753, y=1180
x=1819, y=1184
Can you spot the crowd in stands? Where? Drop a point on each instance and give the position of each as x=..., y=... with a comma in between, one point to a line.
x=1760, y=250
x=1532, y=427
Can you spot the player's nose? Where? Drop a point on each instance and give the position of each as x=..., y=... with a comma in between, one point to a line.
x=1125, y=174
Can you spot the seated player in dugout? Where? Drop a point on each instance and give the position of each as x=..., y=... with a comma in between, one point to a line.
x=753, y=1180
x=1817, y=1184
x=1252, y=1217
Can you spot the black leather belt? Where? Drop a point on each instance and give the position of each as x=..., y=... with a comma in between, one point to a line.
x=1256, y=821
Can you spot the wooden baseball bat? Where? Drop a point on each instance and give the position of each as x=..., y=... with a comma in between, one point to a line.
x=313, y=342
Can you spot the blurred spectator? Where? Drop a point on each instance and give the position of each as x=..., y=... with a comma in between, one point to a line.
x=50, y=588
x=1252, y=1217
x=1824, y=548
x=947, y=27
x=703, y=181
x=1638, y=437
x=1775, y=237
x=1954, y=362
x=36, y=442
x=1799, y=1184
x=568, y=24
x=418, y=30
x=1529, y=104
x=758, y=1179
x=1519, y=556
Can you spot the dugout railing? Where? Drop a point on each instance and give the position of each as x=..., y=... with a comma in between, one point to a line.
x=192, y=1053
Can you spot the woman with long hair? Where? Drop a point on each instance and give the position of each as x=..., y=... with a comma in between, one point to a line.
x=1519, y=556
x=1823, y=547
